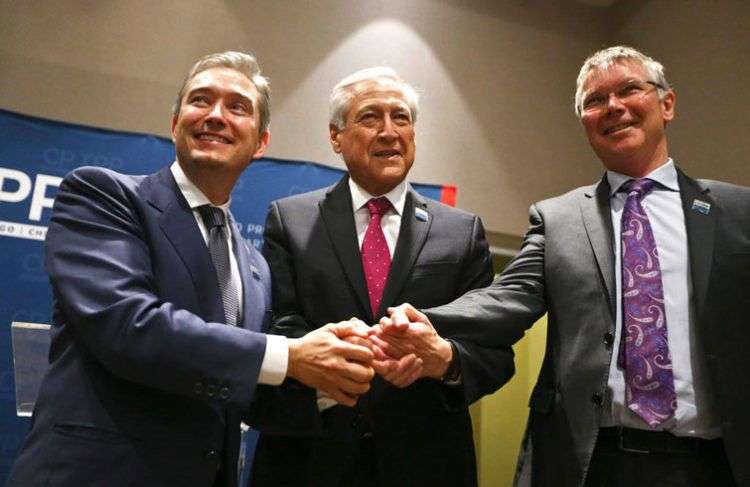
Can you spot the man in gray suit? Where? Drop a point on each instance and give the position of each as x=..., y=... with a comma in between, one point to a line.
x=645, y=378
x=353, y=249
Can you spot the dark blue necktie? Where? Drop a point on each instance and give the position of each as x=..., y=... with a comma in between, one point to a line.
x=218, y=247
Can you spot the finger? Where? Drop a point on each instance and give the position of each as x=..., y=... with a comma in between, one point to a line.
x=342, y=398
x=406, y=312
x=355, y=340
x=397, y=323
x=346, y=328
x=384, y=368
x=411, y=376
x=359, y=325
x=353, y=388
x=403, y=369
x=356, y=372
x=354, y=353
x=386, y=348
x=379, y=354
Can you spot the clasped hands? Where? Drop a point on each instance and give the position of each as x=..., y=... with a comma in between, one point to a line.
x=340, y=359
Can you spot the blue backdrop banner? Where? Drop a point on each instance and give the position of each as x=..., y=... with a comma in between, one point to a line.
x=34, y=156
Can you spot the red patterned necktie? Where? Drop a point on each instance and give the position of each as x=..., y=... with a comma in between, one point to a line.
x=644, y=351
x=376, y=258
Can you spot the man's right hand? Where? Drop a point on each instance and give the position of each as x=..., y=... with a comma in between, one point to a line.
x=323, y=360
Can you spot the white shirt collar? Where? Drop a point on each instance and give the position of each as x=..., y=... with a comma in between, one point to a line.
x=396, y=196
x=665, y=175
x=190, y=191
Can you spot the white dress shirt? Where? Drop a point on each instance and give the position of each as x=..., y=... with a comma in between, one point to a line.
x=694, y=415
x=390, y=222
x=275, y=359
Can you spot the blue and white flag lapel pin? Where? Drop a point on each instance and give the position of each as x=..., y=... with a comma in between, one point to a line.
x=255, y=272
x=701, y=207
x=420, y=214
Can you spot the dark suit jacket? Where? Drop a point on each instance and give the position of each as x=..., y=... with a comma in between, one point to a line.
x=422, y=434
x=566, y=268
x=145, y=384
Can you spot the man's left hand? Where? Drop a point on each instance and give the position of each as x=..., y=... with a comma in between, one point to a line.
x=419, y=339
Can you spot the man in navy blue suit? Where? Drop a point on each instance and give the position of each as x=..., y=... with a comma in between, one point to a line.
x=159, y=309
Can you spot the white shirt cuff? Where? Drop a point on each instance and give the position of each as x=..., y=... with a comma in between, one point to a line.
x=324, y=401
x=275, y=361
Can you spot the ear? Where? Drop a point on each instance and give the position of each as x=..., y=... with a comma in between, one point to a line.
x=667, y=105
x=265, y=137
x=174, y=124
x=334, y=133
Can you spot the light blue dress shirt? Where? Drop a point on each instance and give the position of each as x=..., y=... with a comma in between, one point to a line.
x=694, y=415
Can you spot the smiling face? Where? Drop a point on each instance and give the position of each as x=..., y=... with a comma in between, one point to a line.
x=625, y=119
x=377, y=141
x=217, y=129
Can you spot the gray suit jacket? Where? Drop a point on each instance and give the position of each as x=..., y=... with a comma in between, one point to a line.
x=566, y=268
x=423, y=432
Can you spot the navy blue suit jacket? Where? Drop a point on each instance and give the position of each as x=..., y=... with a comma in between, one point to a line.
x=145, y=386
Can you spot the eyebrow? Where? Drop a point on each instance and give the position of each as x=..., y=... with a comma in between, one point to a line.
x=208, y=89
x=394, y=107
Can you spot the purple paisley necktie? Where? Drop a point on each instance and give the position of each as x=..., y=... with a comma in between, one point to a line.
x=644, y=351
x=376, y=258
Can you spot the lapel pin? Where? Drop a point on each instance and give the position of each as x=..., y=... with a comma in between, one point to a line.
x=701, y=207
x=420, y=214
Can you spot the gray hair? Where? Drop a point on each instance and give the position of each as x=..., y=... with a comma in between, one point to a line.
x=344, y=92
x=241, y=62
x=615, y=54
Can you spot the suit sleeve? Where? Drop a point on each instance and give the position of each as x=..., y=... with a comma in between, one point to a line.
x=290, y=409
x=485, y=322
x=100, y=267
x=287, y=318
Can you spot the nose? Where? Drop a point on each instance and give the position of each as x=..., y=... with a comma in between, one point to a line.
x=614, y=104
x=215, y=116
x=388, y=129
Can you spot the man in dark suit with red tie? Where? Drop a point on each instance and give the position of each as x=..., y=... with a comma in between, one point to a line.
x=352, y=250
x=645, y=277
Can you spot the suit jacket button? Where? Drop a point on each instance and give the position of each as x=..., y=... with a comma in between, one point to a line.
x=198, y=388
x=224, y=393
x=211, y=455
x=609, y=339
x=211, y=390
x=597, y=398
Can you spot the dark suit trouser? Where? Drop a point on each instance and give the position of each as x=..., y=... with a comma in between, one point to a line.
x=704, y=465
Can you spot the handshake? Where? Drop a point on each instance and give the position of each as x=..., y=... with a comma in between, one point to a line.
x=340, y=359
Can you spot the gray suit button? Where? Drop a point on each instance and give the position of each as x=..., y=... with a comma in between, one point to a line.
x=224, y=393
x=211, y=455
x=198, y=388
x=211, y=390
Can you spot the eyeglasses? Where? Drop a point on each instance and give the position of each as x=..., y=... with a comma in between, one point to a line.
x=629, y=91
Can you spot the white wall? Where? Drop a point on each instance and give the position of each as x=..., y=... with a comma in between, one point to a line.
x=497, y=77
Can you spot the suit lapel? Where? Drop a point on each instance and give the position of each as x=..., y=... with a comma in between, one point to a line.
x=700, y=235
x=597, y=219
x=411, y=239
x=336, y=211
x=248, y=274
x=179, y=225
